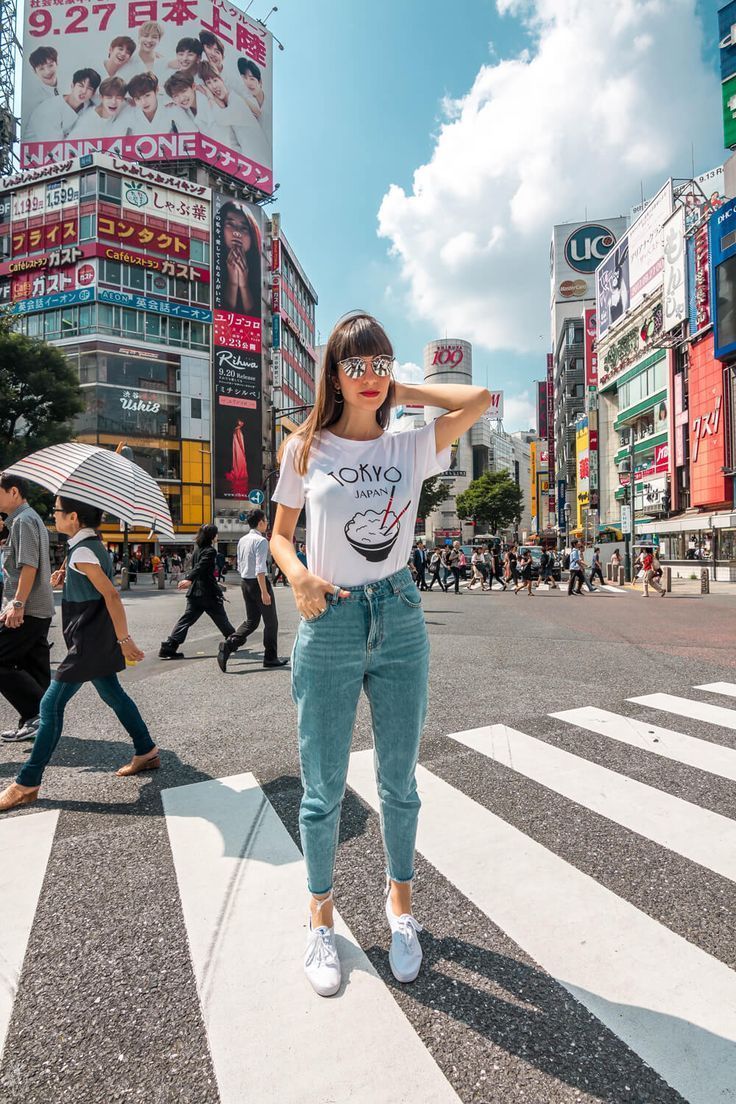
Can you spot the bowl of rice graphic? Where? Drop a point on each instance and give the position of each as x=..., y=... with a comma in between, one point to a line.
x=367, y=534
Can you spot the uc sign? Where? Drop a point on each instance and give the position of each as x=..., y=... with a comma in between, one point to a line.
x=451, y=355
x=587, y=246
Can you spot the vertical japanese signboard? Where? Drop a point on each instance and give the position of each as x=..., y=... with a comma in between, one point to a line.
x=675, y=289
x=148, y=80
x=591, y=356
x=237, y=338
x=551, y=428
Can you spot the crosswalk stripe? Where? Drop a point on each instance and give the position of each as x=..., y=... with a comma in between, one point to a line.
x=672, y=1003
x=25, y=846
x=689, y=750
x=686, y=707
x=728, y=689
x=697, y=834
x=243, y=892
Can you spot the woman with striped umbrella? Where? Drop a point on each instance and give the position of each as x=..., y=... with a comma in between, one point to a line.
x=88, y=480
x=96, y=634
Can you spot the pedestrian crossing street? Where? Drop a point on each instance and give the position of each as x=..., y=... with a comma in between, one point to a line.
x=241, y=884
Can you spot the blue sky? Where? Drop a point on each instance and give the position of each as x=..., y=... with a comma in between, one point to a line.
x=358, y=93
x=358, y=106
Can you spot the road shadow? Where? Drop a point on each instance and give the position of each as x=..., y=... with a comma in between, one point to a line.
x=525, y=1012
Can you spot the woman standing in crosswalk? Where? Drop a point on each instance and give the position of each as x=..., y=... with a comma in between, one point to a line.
x=362, y=622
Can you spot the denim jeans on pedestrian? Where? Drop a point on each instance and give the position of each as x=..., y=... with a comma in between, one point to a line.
x=53, y=704
x=374, y=640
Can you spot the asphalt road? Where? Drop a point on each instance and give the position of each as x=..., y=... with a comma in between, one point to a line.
x=111, y=1004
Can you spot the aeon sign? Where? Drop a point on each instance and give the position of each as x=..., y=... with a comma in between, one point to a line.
x=449, y=356
x=587, y=246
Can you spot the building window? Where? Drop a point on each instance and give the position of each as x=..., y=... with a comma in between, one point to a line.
x=110, y=186
x=88, y=186
x=199, y=251
x=87, y=228
x=196, y=408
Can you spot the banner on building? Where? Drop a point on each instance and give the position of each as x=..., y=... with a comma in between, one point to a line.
x=582, y=465
x=542, y=409
x=591, y=356
x=148, y=80
x=612, y=287
x=237, y=265
x=495, y=408
x=646, y=253
x=675, y=289
x=551, y=427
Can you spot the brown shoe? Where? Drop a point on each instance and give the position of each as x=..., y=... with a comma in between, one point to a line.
x=140, y=763
x=13, y=796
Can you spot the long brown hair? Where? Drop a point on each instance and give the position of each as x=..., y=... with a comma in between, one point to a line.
x=356, y=335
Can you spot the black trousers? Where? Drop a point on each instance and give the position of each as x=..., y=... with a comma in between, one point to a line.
x=576, y=577
x=435, y=579
x=254, y=611
x=25, y=668
x=422, y=576
x=596, y=571
x=194, y=610
x=455, y=571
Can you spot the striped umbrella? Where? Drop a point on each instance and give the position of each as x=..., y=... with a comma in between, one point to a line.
x=100, y=478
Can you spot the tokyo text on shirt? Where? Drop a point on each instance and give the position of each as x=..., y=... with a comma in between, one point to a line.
x=361, y=499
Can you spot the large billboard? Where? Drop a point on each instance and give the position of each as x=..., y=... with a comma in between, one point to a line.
x=646, y=250
x=237, y=276
x=634, y=269
x=577, y=250
x=148, y=80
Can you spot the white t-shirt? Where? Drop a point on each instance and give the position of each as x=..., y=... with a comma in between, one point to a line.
x=361, y=499
x=76, y=555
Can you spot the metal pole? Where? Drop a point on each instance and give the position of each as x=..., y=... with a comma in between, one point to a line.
x=124, y=572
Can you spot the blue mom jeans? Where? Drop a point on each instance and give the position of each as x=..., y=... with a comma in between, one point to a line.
x=374, y=640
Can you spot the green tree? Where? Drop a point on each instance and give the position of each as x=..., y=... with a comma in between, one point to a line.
x=493, y=502
x=39, y=394
x=433, y=492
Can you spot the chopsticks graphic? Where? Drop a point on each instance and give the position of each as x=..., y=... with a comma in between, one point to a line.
x=397, y=518
x=390, y=504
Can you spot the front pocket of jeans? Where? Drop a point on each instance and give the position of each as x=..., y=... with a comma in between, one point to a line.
x=411, y=597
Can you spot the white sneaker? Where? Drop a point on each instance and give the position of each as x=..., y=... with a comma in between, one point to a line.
x=405, y=952
x=321, y=962
x=23, y=732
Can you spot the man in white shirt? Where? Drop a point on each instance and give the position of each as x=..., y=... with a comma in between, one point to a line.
x=151, y=115
x=231, y=111
x=258, y=595
x=44, y=61
x=108, y=118
x=55, y=117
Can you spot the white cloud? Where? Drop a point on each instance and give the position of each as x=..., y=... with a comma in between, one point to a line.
x=408, y=372
x=609, y=94
x=519, y=412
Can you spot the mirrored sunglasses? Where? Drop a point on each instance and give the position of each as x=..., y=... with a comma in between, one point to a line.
x=355, y=367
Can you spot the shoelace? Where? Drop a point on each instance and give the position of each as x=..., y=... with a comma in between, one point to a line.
x=323, y=949
x=406, y=926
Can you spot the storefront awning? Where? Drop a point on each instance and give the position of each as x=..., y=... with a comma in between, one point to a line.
x=692, y=523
